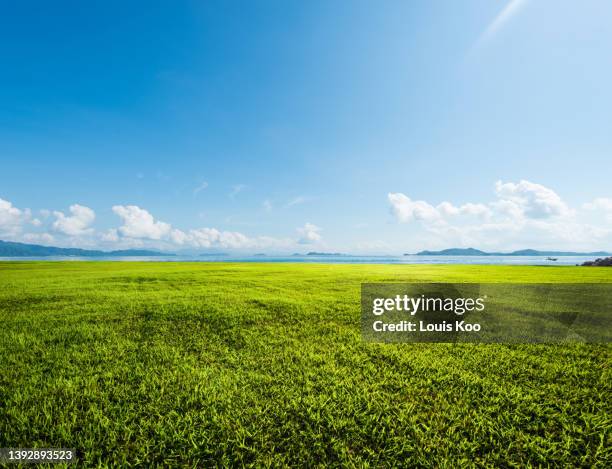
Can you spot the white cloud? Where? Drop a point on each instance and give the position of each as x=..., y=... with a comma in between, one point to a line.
x=237, y=189
x=178, y=236
x=267, y=205
x=601, y=204
x=138, y=223
x=507, y=209
x=515, y=201
x=445, y=208
x=448, y=209
x=110, y=236
x=210, y=237
x=139, y=228
x=76, y=224
x=296, y=201
x=407, y=210
x=535, y=200
x=44, y=238
x=309, y=234
x=200, y=187
x=214, y=238
x=12, y=218
x=479, y=210
x=524, y=214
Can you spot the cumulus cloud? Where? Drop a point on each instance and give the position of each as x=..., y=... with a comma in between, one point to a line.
x=446, y=209
x=139, y=223
x=602, y=205
x=406, y=210
x=211, y=237
x=309, y=234
x=76, y=224
x=534, y=200
x=139, y=228
x=479, y=210
x=507, y=209
x=110, y=236
x=214, y=238
x=514, y=200
x=522, y=213
x=45, y=238
x=12, y=219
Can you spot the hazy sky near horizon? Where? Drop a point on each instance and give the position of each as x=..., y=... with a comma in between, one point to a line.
x=275, y=126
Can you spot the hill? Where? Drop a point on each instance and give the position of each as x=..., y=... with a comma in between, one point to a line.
x=11, y=249
x=453, y=252
x=522, y=252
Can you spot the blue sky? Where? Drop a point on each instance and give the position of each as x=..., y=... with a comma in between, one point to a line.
x=378, y=127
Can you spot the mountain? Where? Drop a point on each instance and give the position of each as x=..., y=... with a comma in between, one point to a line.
x=10, y=249
x=522, y=252
x=453, y=252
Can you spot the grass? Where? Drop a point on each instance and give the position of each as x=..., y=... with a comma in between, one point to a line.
x=215, y=364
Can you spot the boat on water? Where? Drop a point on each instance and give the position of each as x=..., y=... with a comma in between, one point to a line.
x=552, y=259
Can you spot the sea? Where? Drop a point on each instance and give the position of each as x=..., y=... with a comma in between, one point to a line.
x=331, y=259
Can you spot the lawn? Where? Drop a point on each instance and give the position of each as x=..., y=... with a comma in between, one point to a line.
x=215, y=364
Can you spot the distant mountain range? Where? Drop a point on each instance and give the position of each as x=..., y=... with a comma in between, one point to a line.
x=522, y=252
x=10, y=249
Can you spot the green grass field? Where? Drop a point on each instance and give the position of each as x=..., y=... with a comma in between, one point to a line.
x=213, y=364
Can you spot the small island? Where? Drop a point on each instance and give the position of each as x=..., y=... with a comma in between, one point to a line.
x=522, y=252
x=322, y=254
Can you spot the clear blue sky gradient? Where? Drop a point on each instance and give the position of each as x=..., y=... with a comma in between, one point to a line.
x=330, y=104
